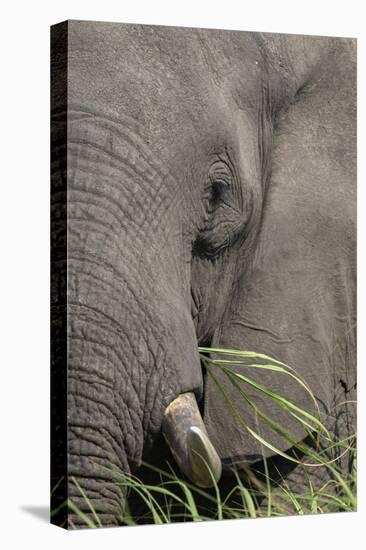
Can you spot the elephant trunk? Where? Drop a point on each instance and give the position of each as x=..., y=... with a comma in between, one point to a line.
x=98, y=425
x=132, y=347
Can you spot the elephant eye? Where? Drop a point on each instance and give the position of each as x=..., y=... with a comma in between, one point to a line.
x=221, y=188
x=225, y=221
x=221, y=182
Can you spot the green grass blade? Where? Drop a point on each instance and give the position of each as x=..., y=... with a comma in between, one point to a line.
x=87, y=500
x=285, y=403
x=246, y=497
x=72, y=506
x=286, y=368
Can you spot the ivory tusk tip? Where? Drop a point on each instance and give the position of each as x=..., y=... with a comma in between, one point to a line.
x=205, y=462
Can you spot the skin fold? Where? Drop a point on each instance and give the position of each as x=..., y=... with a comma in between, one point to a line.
x=210, y=200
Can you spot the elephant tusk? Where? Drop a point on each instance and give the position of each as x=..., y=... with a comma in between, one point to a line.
x=187, y=438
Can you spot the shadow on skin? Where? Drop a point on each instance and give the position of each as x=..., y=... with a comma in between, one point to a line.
x=40, y=512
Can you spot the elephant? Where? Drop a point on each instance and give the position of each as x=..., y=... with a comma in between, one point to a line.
x=203, y=194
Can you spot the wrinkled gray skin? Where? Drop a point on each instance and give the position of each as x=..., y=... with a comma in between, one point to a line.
x=211, y=179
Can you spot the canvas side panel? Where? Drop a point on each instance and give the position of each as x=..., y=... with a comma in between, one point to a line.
x=59, y=46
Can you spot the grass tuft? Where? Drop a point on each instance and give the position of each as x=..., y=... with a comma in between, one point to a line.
x=251, y=494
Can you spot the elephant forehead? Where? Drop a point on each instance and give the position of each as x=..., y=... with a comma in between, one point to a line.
x=161, y=73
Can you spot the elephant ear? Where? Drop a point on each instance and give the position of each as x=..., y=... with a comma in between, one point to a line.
x=296, y=301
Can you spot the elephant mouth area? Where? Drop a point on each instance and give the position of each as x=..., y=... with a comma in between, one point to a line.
x=180, y=432
x=185, y=434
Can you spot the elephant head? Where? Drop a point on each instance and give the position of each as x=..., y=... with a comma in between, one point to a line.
x=210, y=199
